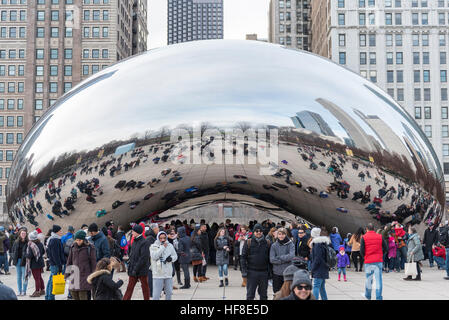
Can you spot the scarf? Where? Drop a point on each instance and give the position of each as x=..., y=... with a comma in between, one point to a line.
x=286, y=239
x=36, y=253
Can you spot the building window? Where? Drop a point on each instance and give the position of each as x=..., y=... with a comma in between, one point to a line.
x=445, y=131
x=424, y=19
x=372, y=40
x=95, y=68
x=40, y=32
x=53, y=53
x=85, y=70
x=9, y=155
x=342, y=58
x=388, y=19
x=390, y=76
x=400, y=94
x=341, y=3
x=68, y=32
x=363, y=58
x=389, y=40
x=416, y=76
x=53, y=87
x=416, y=58
x=10, y=121
x=426, y=75
x=399, y=76
x=67, y=71
x=442, y=40
x=415, y=19
x=425, y=40
x=362, y=40
x=54, y=15
x=105, y=32
x=39, y=53
x=398, y=39
x=19, y=138
x=67, y=53
x=373, y=76
x=342, y=40
x=372, y=58
x=86, y=53
x=55, y=32
x=105, y=53
x=442, y=57
x=415, y=39
x=53, y=70
x=341, y=19
x=362, y=19
x=67, y=86
x=426, y=94
x=443, y=75
x=95, y=53
x=444, y=114
x=445, y=149
x=417, y=94
x=443, y=94
x=427, y=113
x=417, y=112
x=399, y=59
x=390, y=92
x=425, y=57
x=428, y=131
x=38, y=104
x=105, y=15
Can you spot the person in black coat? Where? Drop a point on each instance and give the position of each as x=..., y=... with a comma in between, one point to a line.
x=36, y=263
x=103, y=287
x=205, y=245
x=184, y=256
x=255, y=262
x=303, y=249
x=139, y=263
x=430, y=238
x=320, y=269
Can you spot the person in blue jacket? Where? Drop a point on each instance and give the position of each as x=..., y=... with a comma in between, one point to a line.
x=100, y=242
x=56, y=257
x=336, y=239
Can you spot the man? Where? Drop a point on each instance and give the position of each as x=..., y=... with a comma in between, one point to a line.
x=443, y=237
x=372, y=248
x=255, y=261
x=4, y=247
x=303, y=250
x=163, y=255
x=184, y=254
x=118, y=238
x=12, y=238
x=319, y=266
x=151, y=235
x=139, y=263
x=430, y=238
x=205, y=247
x=100, y=242
x=110, y=227
x=55, y=254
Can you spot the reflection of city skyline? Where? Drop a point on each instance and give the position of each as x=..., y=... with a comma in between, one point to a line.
x=312, y=121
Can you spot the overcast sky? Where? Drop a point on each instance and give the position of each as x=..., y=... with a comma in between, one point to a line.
x=241, y=17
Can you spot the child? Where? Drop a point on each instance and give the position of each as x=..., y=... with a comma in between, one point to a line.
x=392, y=247
x=343, y=262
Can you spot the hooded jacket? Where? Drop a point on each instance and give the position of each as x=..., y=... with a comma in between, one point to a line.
x=281, y=255
x=84, y=259
x=160, y=267
x=103, y=287
x=139, y=258
x=184, y=256
x=318, y=255
x=336, y=241
x=430, y=237
x=101, y=246
x=256, y=257
x=55, y=251
x=196, y=249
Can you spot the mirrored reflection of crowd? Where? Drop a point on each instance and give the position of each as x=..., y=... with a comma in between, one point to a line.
x=294, y=259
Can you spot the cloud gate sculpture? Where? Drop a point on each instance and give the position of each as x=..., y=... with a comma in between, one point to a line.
x=225, y=120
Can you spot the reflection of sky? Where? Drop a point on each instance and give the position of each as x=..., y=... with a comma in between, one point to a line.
x=215, y=81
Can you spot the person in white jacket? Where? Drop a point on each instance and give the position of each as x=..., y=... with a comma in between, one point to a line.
x=163, y=254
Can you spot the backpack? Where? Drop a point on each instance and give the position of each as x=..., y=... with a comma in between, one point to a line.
x=69, y=242
x=123, y=242
x=331, y=257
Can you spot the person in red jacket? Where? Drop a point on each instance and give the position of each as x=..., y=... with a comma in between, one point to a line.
x=439, y=255
x=401, y=256
x=372, y=248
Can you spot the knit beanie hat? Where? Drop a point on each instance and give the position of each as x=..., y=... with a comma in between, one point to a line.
x=33, y=235
x=315, y=232
x=341, y=247
x=71, y=229
x=257, y=227
x=80, y=234
x=301, y=277
x=289, y=272
x=56, y=228
x=138, y=228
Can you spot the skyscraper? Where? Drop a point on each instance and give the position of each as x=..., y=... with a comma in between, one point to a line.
x=49, y=46
x=289, y=23
x=401, y=46
x=190, y=20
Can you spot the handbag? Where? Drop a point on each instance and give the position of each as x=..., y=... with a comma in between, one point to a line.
x=58, y=284
x=410, y=268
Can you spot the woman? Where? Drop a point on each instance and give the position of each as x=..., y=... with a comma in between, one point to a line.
x=354, y=242
x=19, y=260
x=320, y=269
x=281, y=254
x=301, y=288
x=81, y=261
x=288, y=279
x=197, y=255
x=222, y=244
x=103, y=287
x=414, y=252
x=240, y=239
x=184, y=256
x=272, y=235
x=35, y=263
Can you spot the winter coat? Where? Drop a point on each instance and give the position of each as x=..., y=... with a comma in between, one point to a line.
x=392, y=247
x=336, y=241
x=256, y=257
x=414, y=248
x=430, y=238
x=139, y=258
x=55, y=251
x=205, y=242
x=19, y=247
x=320, y=270
x=84, y=260
x=101, y=246
x=36, y=264
x=103, y=287
x=303, y=248
x=222, y=256
x=342, y=260
x=161, y=268
x=196, y=249
x=439, y=252
x=281, y=255
x=184, y=256
x=6, y=293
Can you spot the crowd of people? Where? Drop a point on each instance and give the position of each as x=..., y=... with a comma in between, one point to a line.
x=294, y=259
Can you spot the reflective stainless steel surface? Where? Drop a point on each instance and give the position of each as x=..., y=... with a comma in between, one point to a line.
x=209, y=96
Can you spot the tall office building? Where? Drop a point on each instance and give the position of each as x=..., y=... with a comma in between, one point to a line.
x=401, y=46
x=140, y=30
x=49, y=46
x=289, y=23
x=190, y=20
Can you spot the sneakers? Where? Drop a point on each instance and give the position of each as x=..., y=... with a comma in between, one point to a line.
x=226, y=282
x=446, y=278
x=185, y=287
x=42, y=292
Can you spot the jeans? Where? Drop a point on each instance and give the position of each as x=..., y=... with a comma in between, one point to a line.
x=22, y=283
x=185, y=270
x=392, y=264
x=257, y=280
x=386, y=261
x=430, y=255
x=319, y=288
x=447, y=262
x=223, y=269
x=373, y=269
x=53, y=271
x=402, y=253
x=440, y=262
x=340, y=270
x=162, y=283
x=3, y=261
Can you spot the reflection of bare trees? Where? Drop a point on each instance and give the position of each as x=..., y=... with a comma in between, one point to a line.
x=398, y=165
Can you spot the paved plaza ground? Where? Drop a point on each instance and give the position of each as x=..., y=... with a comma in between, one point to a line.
x=432, y=287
